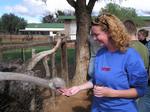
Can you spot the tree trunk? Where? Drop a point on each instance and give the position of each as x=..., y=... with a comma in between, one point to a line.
x=82, y=49
x=83, y=10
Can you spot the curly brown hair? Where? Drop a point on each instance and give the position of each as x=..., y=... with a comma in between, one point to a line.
x=111, y=24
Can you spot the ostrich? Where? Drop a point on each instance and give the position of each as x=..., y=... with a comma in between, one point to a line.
x=22, y=86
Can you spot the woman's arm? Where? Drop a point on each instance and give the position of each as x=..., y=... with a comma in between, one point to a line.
x=101, y=91
x=87, y=85
x=129, y=93
x=75, y=89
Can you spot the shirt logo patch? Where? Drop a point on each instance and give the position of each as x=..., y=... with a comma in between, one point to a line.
x=105, y=68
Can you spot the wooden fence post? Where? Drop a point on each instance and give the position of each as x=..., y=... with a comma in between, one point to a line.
x=64, y=61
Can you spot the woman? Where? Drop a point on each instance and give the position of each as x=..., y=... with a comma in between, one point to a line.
x=120, y=76
x=142, y=35
x=144, y=102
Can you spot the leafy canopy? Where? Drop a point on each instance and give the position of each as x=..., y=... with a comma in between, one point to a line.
x=11, y=23
x=123, y=13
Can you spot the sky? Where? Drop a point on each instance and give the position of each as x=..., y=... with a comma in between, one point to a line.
x=34, y=10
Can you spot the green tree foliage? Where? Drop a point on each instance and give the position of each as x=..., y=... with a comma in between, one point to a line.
x=60, y=13
x=51, y=18
x=11, y=23
x=48, y=19
x=123, y=13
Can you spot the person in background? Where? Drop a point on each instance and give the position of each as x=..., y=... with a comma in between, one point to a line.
x=142, y=36
x=135, y=43
x=144, y=102
x=119, y=73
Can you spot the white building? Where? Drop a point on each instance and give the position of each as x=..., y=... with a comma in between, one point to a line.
x=68, y=28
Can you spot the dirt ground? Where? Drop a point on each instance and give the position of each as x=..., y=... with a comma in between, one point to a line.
x=77, y=103
x=80, y=102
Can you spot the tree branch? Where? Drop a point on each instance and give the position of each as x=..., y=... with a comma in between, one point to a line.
x=72, y=3
x=90, y=5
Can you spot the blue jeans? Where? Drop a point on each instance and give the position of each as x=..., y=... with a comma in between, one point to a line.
x=144, y=102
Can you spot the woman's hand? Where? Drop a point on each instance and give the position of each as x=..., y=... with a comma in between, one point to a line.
x=101, y=91
x=70, y=91
x=75, y=89
x=61, y=90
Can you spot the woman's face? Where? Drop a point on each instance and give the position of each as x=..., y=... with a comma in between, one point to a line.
x=140, y=36
x=99, y=35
